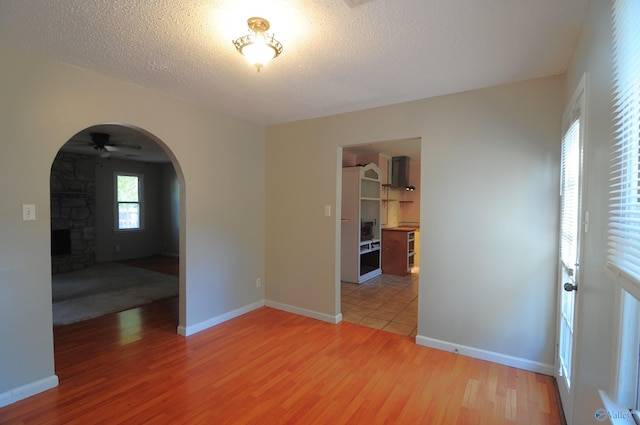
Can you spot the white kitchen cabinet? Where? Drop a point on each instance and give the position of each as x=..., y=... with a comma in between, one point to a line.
x=360, y=255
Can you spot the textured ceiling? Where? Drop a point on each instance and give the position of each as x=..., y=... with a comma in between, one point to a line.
x=339, y=55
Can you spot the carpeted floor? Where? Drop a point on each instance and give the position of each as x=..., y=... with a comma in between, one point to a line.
x=107, y=288
x=156, y=263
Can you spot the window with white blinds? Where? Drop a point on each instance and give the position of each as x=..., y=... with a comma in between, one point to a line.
x=624, y=217
x=570, y=191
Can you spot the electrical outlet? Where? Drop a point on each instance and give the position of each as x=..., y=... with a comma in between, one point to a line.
x=258, y=282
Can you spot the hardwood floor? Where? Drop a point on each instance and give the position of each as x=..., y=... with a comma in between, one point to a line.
x=272, y=367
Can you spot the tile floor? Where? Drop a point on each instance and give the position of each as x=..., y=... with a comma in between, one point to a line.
x=385, y=302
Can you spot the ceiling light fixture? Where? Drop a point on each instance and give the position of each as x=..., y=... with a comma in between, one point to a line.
x=259, y=47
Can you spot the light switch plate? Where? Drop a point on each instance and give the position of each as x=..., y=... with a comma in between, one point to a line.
x=327, y=210
x=28, y=212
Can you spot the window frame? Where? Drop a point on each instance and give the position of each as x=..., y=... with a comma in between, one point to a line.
x=626, y=380
x=140, y=202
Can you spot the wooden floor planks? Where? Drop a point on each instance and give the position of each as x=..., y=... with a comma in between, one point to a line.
x=272, y=367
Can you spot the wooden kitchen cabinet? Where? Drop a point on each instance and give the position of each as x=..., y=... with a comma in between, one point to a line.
x=398, y=250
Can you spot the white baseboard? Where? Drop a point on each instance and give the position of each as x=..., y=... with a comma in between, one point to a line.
x=33, y=388
x=304, y=312
x=190, y=330
x=490, y=356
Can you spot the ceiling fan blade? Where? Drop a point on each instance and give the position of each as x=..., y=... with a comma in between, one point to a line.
x=122, y=147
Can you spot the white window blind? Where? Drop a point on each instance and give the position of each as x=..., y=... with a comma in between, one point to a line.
x=624, y=216
x=570, y=192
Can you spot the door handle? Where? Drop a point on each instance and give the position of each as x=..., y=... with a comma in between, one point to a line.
x=570, y=287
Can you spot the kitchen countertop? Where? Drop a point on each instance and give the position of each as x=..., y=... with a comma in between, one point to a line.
x=403, y=229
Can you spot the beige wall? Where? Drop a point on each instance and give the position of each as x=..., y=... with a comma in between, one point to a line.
x=489, y=185
x=220, y=160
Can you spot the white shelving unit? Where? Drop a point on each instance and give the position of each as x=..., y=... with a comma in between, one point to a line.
x=361, y=245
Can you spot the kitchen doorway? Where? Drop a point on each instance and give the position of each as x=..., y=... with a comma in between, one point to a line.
x=388, y=301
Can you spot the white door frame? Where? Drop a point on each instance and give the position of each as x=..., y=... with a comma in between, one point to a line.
x=567, y=393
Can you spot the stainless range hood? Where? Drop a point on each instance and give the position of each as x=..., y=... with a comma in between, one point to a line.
x=400, y=172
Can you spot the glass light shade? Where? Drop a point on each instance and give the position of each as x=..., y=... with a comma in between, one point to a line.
x=258, y=53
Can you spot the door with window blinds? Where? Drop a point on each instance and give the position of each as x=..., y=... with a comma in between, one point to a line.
x=569, y=261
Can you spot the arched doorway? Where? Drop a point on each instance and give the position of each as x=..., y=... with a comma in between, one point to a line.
x=116, y=203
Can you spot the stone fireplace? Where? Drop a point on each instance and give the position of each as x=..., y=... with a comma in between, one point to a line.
x=73, y=192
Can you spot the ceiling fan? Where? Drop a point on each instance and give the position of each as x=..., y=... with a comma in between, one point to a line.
x=103, y=146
